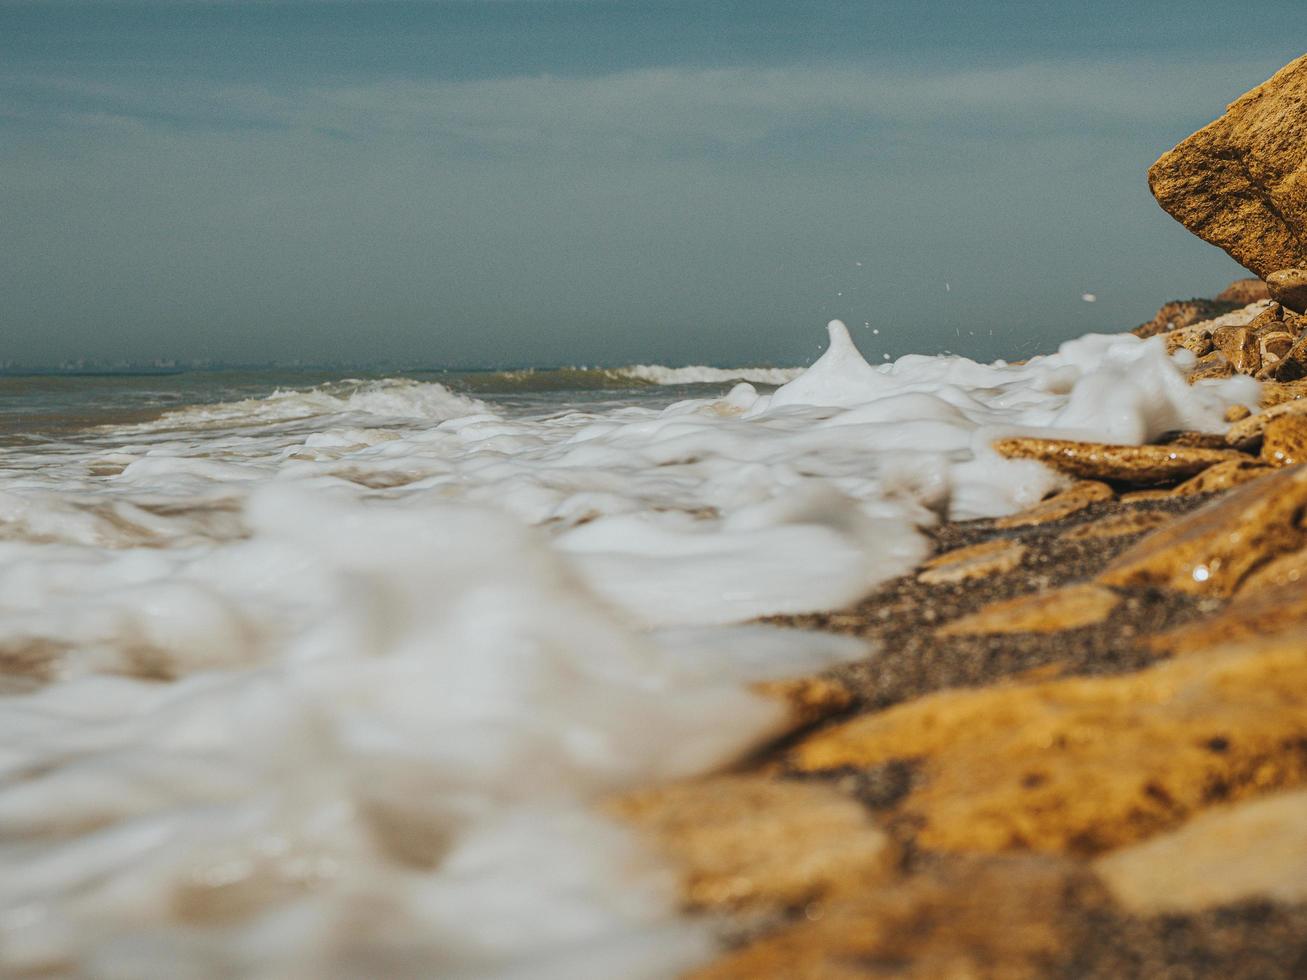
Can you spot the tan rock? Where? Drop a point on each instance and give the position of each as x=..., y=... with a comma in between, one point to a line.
x=1070, y=501
x=1243, y=292
x=1212, y=549
x=1236, y=413
x=1241, y=182
x=1284, y=441
x=1240, y=347
x=1293, y=365
x=810, y=699
x=1252, y=428
x=1120, y=525
x=1289, y=286
x=1212, y=366
x=1045, y=612
x=1278, y=392
x=1287, y=570
x=1256, y=850
x=1222, y=476
x=1179, y=314
x=747, y=842
x=1256, y=611
x=992, y=919
x=1104, y=461
x=1197, y=339
x=1140, y=496
x=995, y=557
x=1087, y=764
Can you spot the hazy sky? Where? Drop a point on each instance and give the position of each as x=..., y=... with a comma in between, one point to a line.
x=599, y=181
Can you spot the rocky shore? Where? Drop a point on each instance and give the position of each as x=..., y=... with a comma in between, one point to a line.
x=1077, y=746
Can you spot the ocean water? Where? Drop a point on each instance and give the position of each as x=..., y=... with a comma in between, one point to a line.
x=310, y=677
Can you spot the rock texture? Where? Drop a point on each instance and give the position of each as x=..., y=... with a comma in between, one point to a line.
x=1241, y=182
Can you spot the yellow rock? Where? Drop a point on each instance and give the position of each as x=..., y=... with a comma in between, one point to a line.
x=996, y=919
x=1213, y=548
x=1258, y=609
x=1290, y=569
x=1284, y=441
x=1240, y=347
x=809, y=699
x=993, y=557
x=1222, y=476
x=1088, y=764
x=1277, y=393
x=1237, y=413
x=1075, y=498
x=1254, y=426
x=1104, y=461
x=1120, y=525
x=1238, y=182
x=1046, y=612
x=747, y=842
x=1256, y=850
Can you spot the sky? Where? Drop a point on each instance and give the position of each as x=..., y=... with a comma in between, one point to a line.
x=512, y=182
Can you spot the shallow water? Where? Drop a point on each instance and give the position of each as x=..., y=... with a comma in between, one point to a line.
x=322, y=679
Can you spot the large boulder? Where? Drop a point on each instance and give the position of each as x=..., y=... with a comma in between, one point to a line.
x=1241, y=182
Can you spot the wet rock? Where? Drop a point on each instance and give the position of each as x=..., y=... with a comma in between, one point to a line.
x=1277, y=392
x=1214, y=366
x=1243, y=292
x=1179, y=314
x=1256, y=850
x=1070, y=501
x=1284, y=440
x=1266, y=607
x=1239, y=182
x=1043, y=612
x=1287, y=570
x=994, y=557
x=1240, y=347
x=1289, y=286
x=745, y=842
x=1120, y=525
x=981, y=918
x=1104, y=461
x=1211, y=550
x=809, y=699
x=1253, y=428
x=1087, y=765
x=1222, y=476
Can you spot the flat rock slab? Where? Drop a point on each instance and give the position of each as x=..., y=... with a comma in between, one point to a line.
x=1120, y=464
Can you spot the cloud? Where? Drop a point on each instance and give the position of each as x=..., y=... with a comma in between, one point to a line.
x=646, y=110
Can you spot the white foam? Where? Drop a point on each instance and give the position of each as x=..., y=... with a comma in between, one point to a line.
x=327, y=684
x=699, y=374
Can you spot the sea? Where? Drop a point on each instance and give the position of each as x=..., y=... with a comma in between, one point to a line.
x=307, y=675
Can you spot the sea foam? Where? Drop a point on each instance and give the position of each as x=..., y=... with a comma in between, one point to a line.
x=327, y=684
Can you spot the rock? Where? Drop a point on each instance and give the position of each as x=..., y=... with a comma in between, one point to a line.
x=1222, y=476
x=1289, y=286
x=810, y=699
x=1043, y=612
x=1120, y=525
x=1070, y=501
x=1284, y=440
x=996, y=918
x=1085, y=765
x=1256, y=850
x=1276, y=604
x=1182, y=313
x=995, y=557
x=1212, y=366
x=745, y=842
x=1287, y=570
x=1253, y=428
x=1241, y=182
x=1292, y=365
x=1104, y=461
x=1240, y=347
x=1278, y=392
x=1211, y=550
x=1243, y=292
x=1197, y=339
